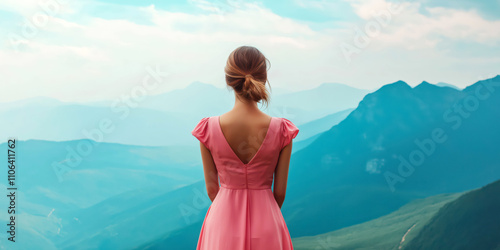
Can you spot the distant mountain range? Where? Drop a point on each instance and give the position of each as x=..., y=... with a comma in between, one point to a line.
x=308, y=105
x=133, y=218
x=111, y=179
x=311, y=130
x=109, y=170
x=345, y=173
x=160, y=120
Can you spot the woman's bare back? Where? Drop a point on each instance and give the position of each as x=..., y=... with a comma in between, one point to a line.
x=244, y=132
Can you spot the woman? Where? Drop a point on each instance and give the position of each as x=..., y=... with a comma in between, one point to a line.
x=244, y=148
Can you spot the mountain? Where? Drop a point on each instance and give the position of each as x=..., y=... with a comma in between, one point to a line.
x=107, y=184
x=386, y=232
x=339, y=180
x=102, y=180
x=62, y=208
x=399, y=144
x=196, y=98
x=467, y=220
x=381, y=233
x=38, y=100
x=202, y=99
x=311, y=130
x=311, y=104
x=443, y=84
x=122, y=196
x=57, y=177
x=157, y=120
x=322, y=124
x=303, y=143
x=470, y=222
x=120, y=124
x=129, y=220
x=179, y=239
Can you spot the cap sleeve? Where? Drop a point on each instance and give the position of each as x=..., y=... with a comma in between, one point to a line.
x=289, y=131
x=201, y=131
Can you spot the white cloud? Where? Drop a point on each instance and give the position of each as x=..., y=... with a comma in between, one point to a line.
x=366, y=9
x=79, y=57
x=32, y=8
x=104, y=58
x=411, y=29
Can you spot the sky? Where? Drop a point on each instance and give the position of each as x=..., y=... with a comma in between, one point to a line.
x=98, y=50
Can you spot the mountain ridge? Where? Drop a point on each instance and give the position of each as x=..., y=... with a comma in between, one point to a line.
x=359, y=153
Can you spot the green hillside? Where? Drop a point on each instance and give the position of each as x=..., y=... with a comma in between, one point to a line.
x=382, y=233
x=470, y=222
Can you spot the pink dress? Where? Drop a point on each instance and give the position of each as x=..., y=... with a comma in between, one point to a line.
x=244, y=215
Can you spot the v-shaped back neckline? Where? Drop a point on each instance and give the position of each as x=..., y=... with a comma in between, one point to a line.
x=231, y=149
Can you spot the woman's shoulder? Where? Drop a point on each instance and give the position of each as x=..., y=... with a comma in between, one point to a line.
x=288, y=131
x=202, y=130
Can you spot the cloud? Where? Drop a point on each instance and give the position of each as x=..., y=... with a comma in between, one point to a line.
x=411, y=29
x=104, y=58
x=82, y=56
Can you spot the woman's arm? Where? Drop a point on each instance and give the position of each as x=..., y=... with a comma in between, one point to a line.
x=281, y=174
x=211, y=175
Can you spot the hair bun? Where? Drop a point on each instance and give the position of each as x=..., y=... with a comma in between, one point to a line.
x=249, y=86
x=247, y=82
x=254, y=89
